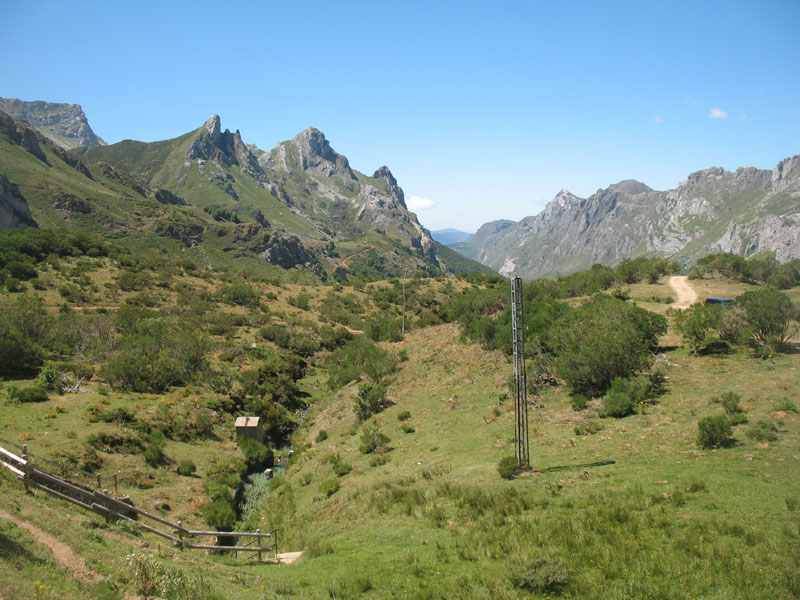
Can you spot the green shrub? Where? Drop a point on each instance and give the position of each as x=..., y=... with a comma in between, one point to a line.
x=187, y=468
x=34, y=393
x=359, y=357
x=408, y=428
x=240, y=294
x=112, y=442
x=539, y=575
x=301, y=301
x=329, y=487
x=508, y=467
x=715, y=432
x=378, y=460
x=786, y=405
x=763, y=431
x=220, y=515
x=603, y=339
x=618, y=404
x=342, y=468
x=578, y=401
x=588, y=428
x=154, y=451
x=770, y=314
x=695, y=323
x=372, y=440
x=404, y=416
x=257, y=456
x=730, y=402
x=369, y=400
x=321, y=436
x=625, y=394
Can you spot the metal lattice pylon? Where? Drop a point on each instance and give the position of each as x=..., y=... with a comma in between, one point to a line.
x=520, y=381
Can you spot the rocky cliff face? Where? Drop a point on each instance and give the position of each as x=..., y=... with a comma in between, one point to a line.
x=226, y=149
x=14, y=210
x=310, y=176
x=745, y=212
x=64, y=124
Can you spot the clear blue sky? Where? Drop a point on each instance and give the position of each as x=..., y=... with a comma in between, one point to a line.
x=485, y=110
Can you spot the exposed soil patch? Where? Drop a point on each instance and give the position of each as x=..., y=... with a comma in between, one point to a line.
x=684, y=290
x=64, y=555
x=347, y=258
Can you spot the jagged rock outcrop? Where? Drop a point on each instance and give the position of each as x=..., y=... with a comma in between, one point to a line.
x=14, y=209
x=64, y=124
x=315, y=154
x=22, y=134
x=287, y=251
x=110, y=172
x=166, y=197
x=745, y=212
x=70, y=203
x=188, y=234
x=226, y=149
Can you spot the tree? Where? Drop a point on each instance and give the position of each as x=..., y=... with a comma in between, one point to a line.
x=603, y=339
x=695, y=323
x=769, y=315
x=369, y=400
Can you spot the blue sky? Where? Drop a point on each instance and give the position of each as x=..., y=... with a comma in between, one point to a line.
x=481, y=110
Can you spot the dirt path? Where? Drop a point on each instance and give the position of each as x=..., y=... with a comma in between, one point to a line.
x=64, y=555
x=684, y=290
x=347, y=258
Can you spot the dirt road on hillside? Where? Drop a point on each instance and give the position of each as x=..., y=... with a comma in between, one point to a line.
x=346, y=259
x=684, y=290
x=63, y=554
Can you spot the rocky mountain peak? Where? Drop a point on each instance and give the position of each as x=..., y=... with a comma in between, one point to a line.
x=565, y=198
x=226, y=148
x=213, y=126
x=786, y=171
x=63, y=124
x=316, y=153
x=630, y=186
x=383, y=173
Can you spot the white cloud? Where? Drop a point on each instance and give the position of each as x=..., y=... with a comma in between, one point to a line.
x=689, y=100
x=717, y=113
x=657, y=119
x=417, y=203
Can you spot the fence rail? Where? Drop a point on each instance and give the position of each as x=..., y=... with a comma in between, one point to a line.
x=114, y=509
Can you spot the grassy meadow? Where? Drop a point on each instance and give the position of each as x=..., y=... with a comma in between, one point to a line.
x=613, y=508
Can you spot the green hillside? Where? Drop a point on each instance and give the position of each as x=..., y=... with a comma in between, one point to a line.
x=389, y=442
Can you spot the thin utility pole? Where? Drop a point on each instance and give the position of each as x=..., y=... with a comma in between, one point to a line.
x=520, y=380
x=403, y=330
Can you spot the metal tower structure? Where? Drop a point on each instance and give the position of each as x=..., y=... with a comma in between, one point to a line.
x=520, y=381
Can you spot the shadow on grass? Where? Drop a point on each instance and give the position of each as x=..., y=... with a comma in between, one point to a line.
x=716, y=347
x=600, y=463
x=13, y=552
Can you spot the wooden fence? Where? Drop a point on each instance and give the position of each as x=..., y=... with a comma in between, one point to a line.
x=263, y=545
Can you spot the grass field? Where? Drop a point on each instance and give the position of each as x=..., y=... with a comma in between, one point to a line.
x=634, y=509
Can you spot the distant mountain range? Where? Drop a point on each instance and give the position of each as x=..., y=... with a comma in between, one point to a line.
x=215, y=199
x=743, y=212
x=451, y=236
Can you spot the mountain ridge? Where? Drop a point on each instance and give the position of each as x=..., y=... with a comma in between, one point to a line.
x=745, y=211
x=300, y=205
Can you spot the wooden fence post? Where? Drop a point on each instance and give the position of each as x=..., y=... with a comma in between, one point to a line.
x=259, y=545
x=179, y=533
x=116, y=483
x=25, y=468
